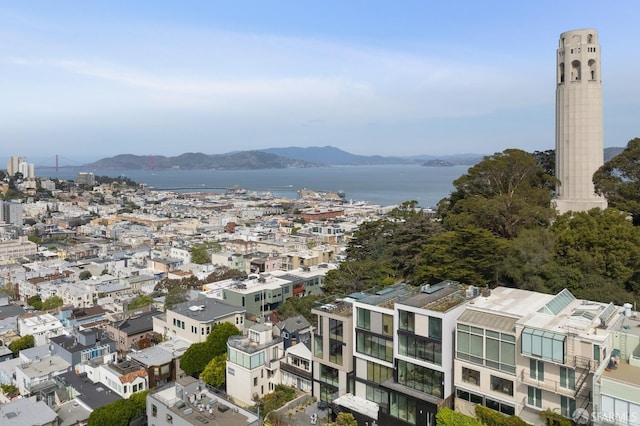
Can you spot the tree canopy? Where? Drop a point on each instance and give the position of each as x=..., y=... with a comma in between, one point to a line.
x=25, y=342
x=505, y=194
x=120, y=412
x=200, y=255
x=197, y=357
x=619, y=180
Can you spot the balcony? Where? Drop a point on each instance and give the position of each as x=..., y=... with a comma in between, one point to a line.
x=296, y=370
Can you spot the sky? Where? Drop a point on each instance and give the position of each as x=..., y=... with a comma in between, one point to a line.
x=92, y=79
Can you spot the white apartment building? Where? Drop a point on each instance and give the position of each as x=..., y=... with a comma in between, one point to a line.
x=521, y=352
x=42, y=327
x=12, y=250
x=253, y=363
x=193, y=321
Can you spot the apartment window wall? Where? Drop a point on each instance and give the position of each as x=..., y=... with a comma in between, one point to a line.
x=486, y=347
x=336, y=330
x=471, y=376
x=567, y=406
x=543, y=344
x=363, y=318
x=536, y=369
x=403, y=408
x=419, y=347
x=387, y=325
x=568, y=378
x=329, y=375
x=318, y=346
x=421, y=378
x=335, y=352
x=407, y=320
x=378, y=373
x=499, y=384
x=374, y=346
x=534, y=396
x=377, y=395
x=487, y=402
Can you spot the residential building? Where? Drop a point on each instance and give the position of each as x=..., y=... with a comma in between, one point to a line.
x=616, y=399
x=520, y=352
x=13, y=413
x=191, y=402
x=294, y=330
x=162, y=361
x=296, y=367
x=35, y=378
x=131, y=329
x=12, y=250
x=332, y=350
x=41, y=326
x=82, y=346
x=193, y=321
x=253, y=363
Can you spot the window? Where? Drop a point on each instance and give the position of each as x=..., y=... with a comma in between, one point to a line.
x=403, y=408
x=364, y=319
x=317, y=346
x=378, y=373
x=419, y=347
x=169, y=419
x=471, y=376
x=387, y=325
x=154, y=410
x=567, y=406
x=255, y=381
x=596, y=352
x=568, y=378
x=335, y=352
x=435, y=328
x=543, y=344
x=336, y=329
x=421, y=378
x=328, y=375
x=407, y=321
x=536, y=369
x=534, y=397
x=498, y=384
x=500, y=351
x=470, y=343
x=377, y=395
x=377, y=347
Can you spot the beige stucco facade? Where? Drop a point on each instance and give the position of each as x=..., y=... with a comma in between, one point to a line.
x=579, y=129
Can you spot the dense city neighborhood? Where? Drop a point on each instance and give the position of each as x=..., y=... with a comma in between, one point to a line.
x=112, y=291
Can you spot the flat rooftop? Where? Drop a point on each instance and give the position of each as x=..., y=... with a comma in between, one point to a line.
x=204, y=408
x=625, y=373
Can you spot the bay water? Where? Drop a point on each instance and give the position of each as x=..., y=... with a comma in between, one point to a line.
x=376, y=184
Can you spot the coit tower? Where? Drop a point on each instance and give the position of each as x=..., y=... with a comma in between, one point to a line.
x=579, y=140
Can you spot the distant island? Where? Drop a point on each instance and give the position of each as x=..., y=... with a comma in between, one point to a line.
x=273, y=158
x=438, y=163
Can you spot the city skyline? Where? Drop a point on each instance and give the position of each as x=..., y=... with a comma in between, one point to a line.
x=95, y=80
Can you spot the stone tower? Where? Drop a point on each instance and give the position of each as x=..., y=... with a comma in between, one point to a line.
x=579, y=140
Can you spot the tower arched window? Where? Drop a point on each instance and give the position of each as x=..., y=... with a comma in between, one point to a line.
x=590, y=38
x=592, y=69
x=575, y=71
x=561, y=71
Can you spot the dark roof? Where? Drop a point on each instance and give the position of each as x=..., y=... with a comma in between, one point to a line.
x=71, y=344
x=294, y=324
x=137, y=324
x=93, y=395
x=10, y=310
x=207, y=309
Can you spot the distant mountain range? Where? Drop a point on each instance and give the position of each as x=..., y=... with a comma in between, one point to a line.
x=245, y=160
x=273, y=158
x=279, y=158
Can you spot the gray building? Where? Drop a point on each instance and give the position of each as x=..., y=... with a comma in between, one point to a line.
x=81, y=347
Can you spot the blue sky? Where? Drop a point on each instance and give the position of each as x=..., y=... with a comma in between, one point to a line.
x=89, y=79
